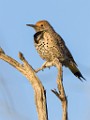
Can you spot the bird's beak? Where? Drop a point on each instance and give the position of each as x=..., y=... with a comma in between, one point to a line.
x=31, y=25
x=36, y=28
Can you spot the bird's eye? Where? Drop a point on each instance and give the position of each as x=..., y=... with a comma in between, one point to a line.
x=41, y=25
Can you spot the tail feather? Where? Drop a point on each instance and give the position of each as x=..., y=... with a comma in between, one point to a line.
x=79, y=75
x=75, y=71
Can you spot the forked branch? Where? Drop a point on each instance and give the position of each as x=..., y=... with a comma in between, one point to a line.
x=61, y=92
x=29, y=73
x=39, y=91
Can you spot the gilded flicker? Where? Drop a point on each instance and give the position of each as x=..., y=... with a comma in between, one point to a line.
x=50, y=45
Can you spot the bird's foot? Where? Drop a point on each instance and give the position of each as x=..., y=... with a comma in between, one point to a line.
x=45, y=65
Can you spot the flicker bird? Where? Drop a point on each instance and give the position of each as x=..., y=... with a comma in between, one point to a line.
x=50, y=45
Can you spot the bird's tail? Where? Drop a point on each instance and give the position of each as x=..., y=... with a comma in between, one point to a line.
x=73, y=67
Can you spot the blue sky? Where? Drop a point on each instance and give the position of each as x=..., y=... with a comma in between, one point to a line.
x=71, y=19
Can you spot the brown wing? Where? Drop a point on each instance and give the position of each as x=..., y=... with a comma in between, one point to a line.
x=68, y=53
x=65, y=49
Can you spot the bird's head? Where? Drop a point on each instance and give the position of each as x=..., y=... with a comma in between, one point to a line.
x=40, y=25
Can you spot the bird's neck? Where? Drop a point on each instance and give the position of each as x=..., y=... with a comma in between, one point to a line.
x=52, y=32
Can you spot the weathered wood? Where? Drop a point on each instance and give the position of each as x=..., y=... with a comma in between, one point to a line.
x=61, y=92
x=39, y=91
x=29, y=73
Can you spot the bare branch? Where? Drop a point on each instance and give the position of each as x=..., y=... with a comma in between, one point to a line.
x=29, y=73
x=39, y=91
x=61, y=92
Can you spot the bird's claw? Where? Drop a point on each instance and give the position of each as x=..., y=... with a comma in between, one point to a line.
x=41, y=68
x=45, y=65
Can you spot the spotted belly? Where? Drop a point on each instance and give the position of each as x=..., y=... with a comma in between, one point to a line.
x=47, y=48
x=47, y=51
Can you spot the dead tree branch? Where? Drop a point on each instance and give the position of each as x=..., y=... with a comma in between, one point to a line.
x=61, y=92
x=39, y=91
x=29, y=73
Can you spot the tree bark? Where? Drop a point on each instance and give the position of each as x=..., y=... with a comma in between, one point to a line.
x=29, y=73
x=61, y=92
x=39, y=91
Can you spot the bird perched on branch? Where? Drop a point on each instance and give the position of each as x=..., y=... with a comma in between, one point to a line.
x=50, y=46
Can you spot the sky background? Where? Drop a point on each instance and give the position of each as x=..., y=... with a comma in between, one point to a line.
x=71, y=19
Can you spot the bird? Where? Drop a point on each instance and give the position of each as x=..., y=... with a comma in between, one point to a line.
x=50, y=45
